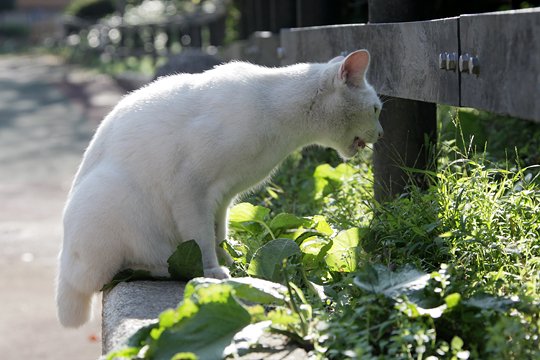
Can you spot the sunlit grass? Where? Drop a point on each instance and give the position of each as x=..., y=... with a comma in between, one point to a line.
x=477, y=224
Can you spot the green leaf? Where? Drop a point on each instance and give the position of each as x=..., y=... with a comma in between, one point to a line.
x=128, y=275
x=452, y=300
x=267, y=261
x=325, y=176
x=457, y=343
x=490, y=302
x=186, y=262
x=342, y=254
x=286, y=221
x=125, y=353
x=184, y=356
x=313, y=245
x=214, y=316
x=245, y=212
x=247, y=288
x=381, y=280
x=340, y=173
x=322, y=225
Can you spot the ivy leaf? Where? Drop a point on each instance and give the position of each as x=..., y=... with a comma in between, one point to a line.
x=267, y=261
x=186, y=261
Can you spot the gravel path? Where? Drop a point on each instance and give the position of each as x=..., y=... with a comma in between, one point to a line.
x=48, y=112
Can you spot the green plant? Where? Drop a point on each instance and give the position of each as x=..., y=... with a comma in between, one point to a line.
x=450, y=272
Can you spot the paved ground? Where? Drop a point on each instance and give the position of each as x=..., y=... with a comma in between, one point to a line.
x=48, y=112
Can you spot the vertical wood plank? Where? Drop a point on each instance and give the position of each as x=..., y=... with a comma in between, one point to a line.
x=409, y=125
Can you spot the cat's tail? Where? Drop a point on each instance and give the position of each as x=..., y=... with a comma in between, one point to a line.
x=74, y=307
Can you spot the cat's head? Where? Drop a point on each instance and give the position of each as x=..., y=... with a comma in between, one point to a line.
x=351, y=106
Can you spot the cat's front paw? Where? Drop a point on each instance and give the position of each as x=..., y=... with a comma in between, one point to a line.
x=218, y=272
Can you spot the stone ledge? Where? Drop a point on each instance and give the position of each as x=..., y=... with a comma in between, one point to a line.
x=130, y=306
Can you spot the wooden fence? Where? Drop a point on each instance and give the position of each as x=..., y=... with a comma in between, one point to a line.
x=429, y=60
x=488, y=61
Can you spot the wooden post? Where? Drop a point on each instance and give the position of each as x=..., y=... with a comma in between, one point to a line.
x=409, y=126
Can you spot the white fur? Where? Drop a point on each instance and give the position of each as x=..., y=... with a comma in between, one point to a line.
x=166, y=163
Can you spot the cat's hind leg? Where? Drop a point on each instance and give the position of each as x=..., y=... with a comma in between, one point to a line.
x=221, y=222
x=196, y=221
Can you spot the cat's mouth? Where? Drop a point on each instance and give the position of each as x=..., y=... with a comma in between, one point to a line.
x=358, y=143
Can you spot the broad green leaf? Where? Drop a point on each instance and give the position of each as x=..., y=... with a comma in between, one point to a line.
x=205, y=332
x=346, y=239
x=246, y=212
x=259, y=290
x=302, y=234
x=381, y=280
x=490, y=302
x=457, y=343
x=322, y=225
x=247, y=288
x=128, y=275
x=340, y=173
x=283, y=318
x=185, y=356
x=452, y=300
x=286, y=221
x=325, y=175
x=313, y=245
x=268, y=259
x=342, y=254
x=186, y=262
x=125, y=353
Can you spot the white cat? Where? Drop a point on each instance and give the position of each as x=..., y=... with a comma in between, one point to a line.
x=166, y=163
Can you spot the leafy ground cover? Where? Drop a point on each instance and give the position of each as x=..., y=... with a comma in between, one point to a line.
x=451, y=272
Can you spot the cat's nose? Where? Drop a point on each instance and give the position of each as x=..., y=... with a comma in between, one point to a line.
x=380, y=131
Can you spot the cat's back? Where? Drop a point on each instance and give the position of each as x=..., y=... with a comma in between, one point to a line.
x=176, y=105
x=233, y=80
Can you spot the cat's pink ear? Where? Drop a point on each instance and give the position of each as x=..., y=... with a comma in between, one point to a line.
x=353, y=69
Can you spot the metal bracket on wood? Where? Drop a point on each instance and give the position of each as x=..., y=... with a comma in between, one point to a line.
x=465, y=64
x=469, y=64
x=448, y=61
